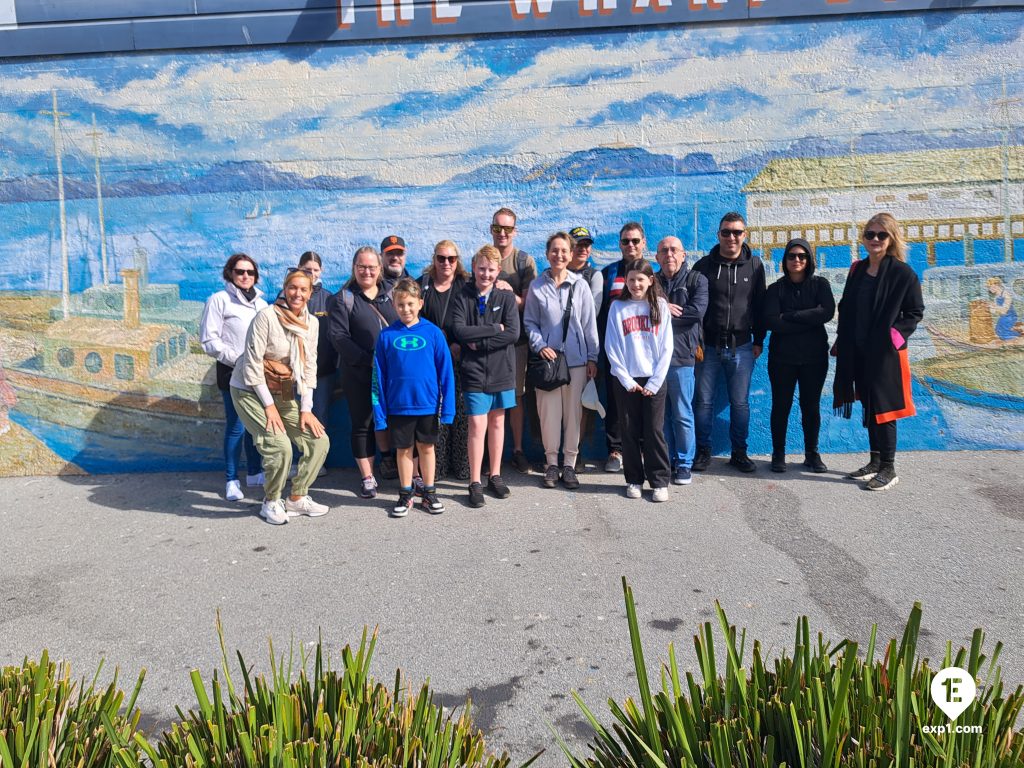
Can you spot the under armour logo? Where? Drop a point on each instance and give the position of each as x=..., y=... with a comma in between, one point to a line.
x=409, y=343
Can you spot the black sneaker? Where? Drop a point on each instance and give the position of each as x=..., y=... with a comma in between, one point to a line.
x=866, y=472
x=812, y=460
x=778, y=462
x=476, y=495
x=388, y=468
x=401, y=509
x=551, y=475
x=497, y=486
x=569, y=479
x=432, y=504
x=703, y=459
x=520, y=463
x=884, y=479
x=742, y=462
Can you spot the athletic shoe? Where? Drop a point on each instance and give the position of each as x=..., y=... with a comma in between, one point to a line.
x=569, y=479
x=633, y=491
x=233, y=491
x=551, y=476
x=884, y=479
x=520, y=462
x=682, y=476
x=418, y=486
x=476, y=495
x=251, y=481
x=497, y=486
x=273, y=512
x=431, y=503
x=660, y=494
x=401, y=509
x=305, y=506
x=779, y=462
x=742, y=462
x=388, y=468
x=812, y=460
x=614, y=462
x=703, y=458
x=867, y=472
x=368, y=490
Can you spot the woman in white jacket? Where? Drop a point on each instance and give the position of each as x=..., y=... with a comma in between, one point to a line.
x=551, y=296
x=226, y=319
x=638, y=343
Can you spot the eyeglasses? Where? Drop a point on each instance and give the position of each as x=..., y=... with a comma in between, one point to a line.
x=441, y=259
x=242, y=272
x=630, y=240
x=498, y=229
x=732, y=232
x=367, y=267
x=870, y=234
x=796, y=256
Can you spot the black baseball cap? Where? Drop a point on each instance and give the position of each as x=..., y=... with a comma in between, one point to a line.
x=581, y=234
x=391, y=243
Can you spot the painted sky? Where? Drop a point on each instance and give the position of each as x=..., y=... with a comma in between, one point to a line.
x=416, y=112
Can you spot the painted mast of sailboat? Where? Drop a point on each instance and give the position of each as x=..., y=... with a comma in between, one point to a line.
x=1004, y=104
x=65, y=277
x=99, y=202
x=853, y=202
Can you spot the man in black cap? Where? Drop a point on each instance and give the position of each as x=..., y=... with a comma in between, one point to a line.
x=582, y=242
x=392, y=253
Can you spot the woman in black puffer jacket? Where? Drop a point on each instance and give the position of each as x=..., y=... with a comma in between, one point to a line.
x=796, y=308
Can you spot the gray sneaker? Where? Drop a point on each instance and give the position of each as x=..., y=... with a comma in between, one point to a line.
x=614, y=463
x=551, y=476
x=569, y=479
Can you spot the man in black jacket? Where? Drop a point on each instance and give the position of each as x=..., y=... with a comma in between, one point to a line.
x=733, y=339
x=687, y=294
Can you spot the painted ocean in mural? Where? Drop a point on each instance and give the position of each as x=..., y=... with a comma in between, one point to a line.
x=171, y=162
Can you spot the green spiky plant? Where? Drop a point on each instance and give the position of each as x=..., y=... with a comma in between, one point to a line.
x=824, y=706
x=49, y=720
x=324, y=718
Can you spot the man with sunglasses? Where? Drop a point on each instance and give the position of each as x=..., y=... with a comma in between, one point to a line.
x=518, y=270
x=733, y=339
x=632, y=246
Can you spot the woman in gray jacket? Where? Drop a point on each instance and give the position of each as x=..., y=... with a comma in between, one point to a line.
x=553, y=294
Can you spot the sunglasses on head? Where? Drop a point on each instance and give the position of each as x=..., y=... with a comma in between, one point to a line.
x=241, y=272
x=629, y=241
x=450, y=259
x=732, y=232
x=796, y=256
x=870, y=234
x=497, y=229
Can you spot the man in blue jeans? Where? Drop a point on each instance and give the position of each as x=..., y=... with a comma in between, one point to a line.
x=687, y=294
x=733, y=338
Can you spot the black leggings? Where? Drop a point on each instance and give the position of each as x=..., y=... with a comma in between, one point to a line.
x=881, y=437
x=356, y=383
x=784, y=378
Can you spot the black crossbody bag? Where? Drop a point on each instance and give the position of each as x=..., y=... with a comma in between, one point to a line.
x=547, y=375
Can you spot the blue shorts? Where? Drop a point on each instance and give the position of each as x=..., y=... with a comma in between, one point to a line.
x=482, y=403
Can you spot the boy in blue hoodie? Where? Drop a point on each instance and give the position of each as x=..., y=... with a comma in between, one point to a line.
x=413, y=388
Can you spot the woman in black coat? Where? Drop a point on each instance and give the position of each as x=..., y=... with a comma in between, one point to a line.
x=326, y=356
x=796, y=308
x=880, y=308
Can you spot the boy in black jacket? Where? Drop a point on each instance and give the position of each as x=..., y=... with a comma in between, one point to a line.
x=733, y=339
x=485, y=321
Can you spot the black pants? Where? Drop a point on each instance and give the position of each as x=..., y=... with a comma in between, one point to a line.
x=642, y=427
x=881, y=437
x=784, y=378
x=613, y=438
x=356, y=383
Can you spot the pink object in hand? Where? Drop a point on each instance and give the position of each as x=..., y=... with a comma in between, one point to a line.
x=897, y=338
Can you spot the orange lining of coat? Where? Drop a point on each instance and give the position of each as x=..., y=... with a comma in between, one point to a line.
x=908, y=409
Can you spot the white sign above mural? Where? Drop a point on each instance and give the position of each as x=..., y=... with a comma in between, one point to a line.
x=8, y=17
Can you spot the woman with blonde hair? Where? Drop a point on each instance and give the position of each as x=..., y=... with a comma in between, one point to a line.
x=880, y=308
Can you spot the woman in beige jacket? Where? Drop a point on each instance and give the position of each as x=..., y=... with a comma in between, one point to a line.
x=283, y=334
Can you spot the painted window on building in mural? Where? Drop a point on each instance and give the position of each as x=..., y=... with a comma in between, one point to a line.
x=65, y=357
x=93, y=362
x=124, y=367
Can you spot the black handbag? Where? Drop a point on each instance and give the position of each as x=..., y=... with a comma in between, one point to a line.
x=547, y=375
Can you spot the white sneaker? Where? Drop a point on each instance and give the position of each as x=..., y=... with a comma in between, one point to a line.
x=233, y=491
x=660, y=494
x=304, y=506
x=273, y=512
x=251, y=481
x=633, y=491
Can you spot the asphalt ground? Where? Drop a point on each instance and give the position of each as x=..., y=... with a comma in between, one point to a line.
x=517, y=604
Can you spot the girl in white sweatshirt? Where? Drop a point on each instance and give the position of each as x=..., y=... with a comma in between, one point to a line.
x=638, y=343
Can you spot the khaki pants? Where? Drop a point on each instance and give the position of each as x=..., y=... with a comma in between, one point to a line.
x=560, y=409
x=276, y=449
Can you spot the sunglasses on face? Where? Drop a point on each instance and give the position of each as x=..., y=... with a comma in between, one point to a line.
x=870, y=234
x=243, y=272
x=498, y=229
x=441, y=259
x=629, y=241
x=796, y=256
x=732, y=232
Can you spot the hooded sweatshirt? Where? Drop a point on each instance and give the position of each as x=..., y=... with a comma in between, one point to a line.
x=735, y=296
x=412, y=373
x=796, y=314
x=543, y=312
x=634, y=347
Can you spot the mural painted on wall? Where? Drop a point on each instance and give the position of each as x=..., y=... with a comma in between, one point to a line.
x=171, y=162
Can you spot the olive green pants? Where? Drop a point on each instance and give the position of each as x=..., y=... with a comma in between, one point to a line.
x=276, y=448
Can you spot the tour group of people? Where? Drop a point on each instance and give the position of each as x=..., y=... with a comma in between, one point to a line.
x=433, y=365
